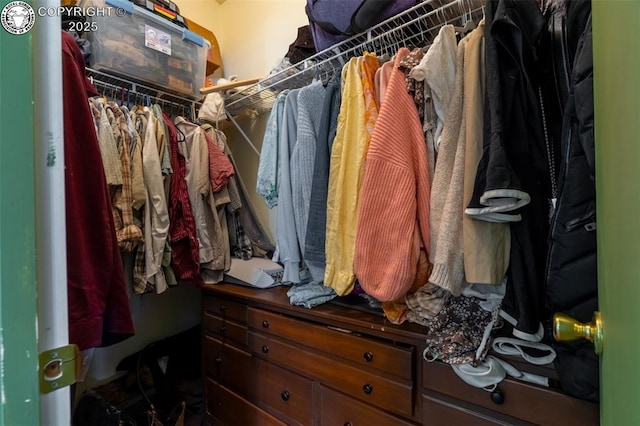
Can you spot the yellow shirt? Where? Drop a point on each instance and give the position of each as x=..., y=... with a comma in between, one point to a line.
x=345, y=179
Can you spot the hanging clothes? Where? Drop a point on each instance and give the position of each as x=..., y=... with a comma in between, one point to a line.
x=156, y=213
x=288, y=247
x=514, y=167
x=396, y=310
x=249, y=234
x=165, y=167
x=445, y=218
x=138, y=189
x=129, y=235
x=140, y=284
x=485, y=245
x=310, y=104
x=571, y=285
x=99, y=310
x=220, y=173
x=393, y=216
x=267, y=181
x=345, y=171
x=415, y=88
x=208, y=228
x=488, y=259
x=108, y=145
x=185, y=250
x=381, y=80
x=369, y=65
x=438, y=70
x=314, y=248
x=220, y=168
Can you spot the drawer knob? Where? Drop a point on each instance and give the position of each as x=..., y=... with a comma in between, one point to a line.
x=223, y=308
x=265, y=324
x=223, y=329
x=285, y=395
x=367, y=388
x=265, y=349
x=497, y=397
x=368, y=356
x=218, y=360
x=348, y=424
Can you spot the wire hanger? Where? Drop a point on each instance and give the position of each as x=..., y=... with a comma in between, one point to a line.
x=180, y=136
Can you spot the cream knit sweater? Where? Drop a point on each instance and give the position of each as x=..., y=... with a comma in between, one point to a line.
x=393, y=215
x=447, y=192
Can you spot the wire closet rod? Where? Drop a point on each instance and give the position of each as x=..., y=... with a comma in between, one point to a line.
x=141, y=91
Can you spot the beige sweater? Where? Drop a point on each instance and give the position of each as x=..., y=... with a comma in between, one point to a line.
x=486, y=245
x=447, y=189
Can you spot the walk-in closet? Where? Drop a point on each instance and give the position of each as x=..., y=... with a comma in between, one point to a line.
x=319, y=212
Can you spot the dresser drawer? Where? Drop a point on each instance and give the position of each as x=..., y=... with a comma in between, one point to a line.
x=226, y=308
x=521, y=400
x=224, y=329
x=395, y=395
x=436, y=412
x=230, y=409
x=364, y=351
x=287, y=392
x=228, y=365
x=337, y=409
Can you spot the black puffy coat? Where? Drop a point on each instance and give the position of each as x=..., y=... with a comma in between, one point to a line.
x=571, y=285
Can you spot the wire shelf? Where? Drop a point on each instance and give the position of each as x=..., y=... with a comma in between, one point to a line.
x=416, y=26
x=124, y=90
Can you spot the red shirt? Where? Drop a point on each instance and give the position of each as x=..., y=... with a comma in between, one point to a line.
x=185, y=249
x=99, y=310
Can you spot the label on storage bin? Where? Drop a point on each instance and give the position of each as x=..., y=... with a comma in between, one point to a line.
x=157, y=40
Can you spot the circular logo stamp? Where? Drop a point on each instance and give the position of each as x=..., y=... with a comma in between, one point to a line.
x=17, y=17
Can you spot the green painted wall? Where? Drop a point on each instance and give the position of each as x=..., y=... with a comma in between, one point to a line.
x=616, y=35
x=19, y=394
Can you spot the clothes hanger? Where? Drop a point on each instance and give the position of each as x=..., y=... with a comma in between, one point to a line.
x=181, y=136
x=467, y=21
x=104, y=96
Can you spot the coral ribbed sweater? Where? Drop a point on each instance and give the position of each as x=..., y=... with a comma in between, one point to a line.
x=393, y=215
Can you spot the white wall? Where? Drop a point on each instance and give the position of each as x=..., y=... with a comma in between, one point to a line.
x=257, y=33
x=207, y=13
x=253, y=35
x=155, y=317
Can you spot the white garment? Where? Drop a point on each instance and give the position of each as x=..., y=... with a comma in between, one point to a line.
x=516, y=347
x=488, y=373
x=156, y=213
x=438, y=71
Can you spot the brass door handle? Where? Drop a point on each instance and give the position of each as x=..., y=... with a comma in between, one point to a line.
x=566, y=329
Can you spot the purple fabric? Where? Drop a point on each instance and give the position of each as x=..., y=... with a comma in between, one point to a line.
x=348, y=17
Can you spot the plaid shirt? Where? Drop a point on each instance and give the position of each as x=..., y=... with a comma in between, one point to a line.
x=241, y=244
x=128, y=234
x=140, y=284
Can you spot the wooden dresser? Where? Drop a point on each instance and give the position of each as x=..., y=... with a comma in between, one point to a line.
x=269, y=363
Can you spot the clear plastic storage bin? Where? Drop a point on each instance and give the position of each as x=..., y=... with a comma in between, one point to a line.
x=147, y=48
